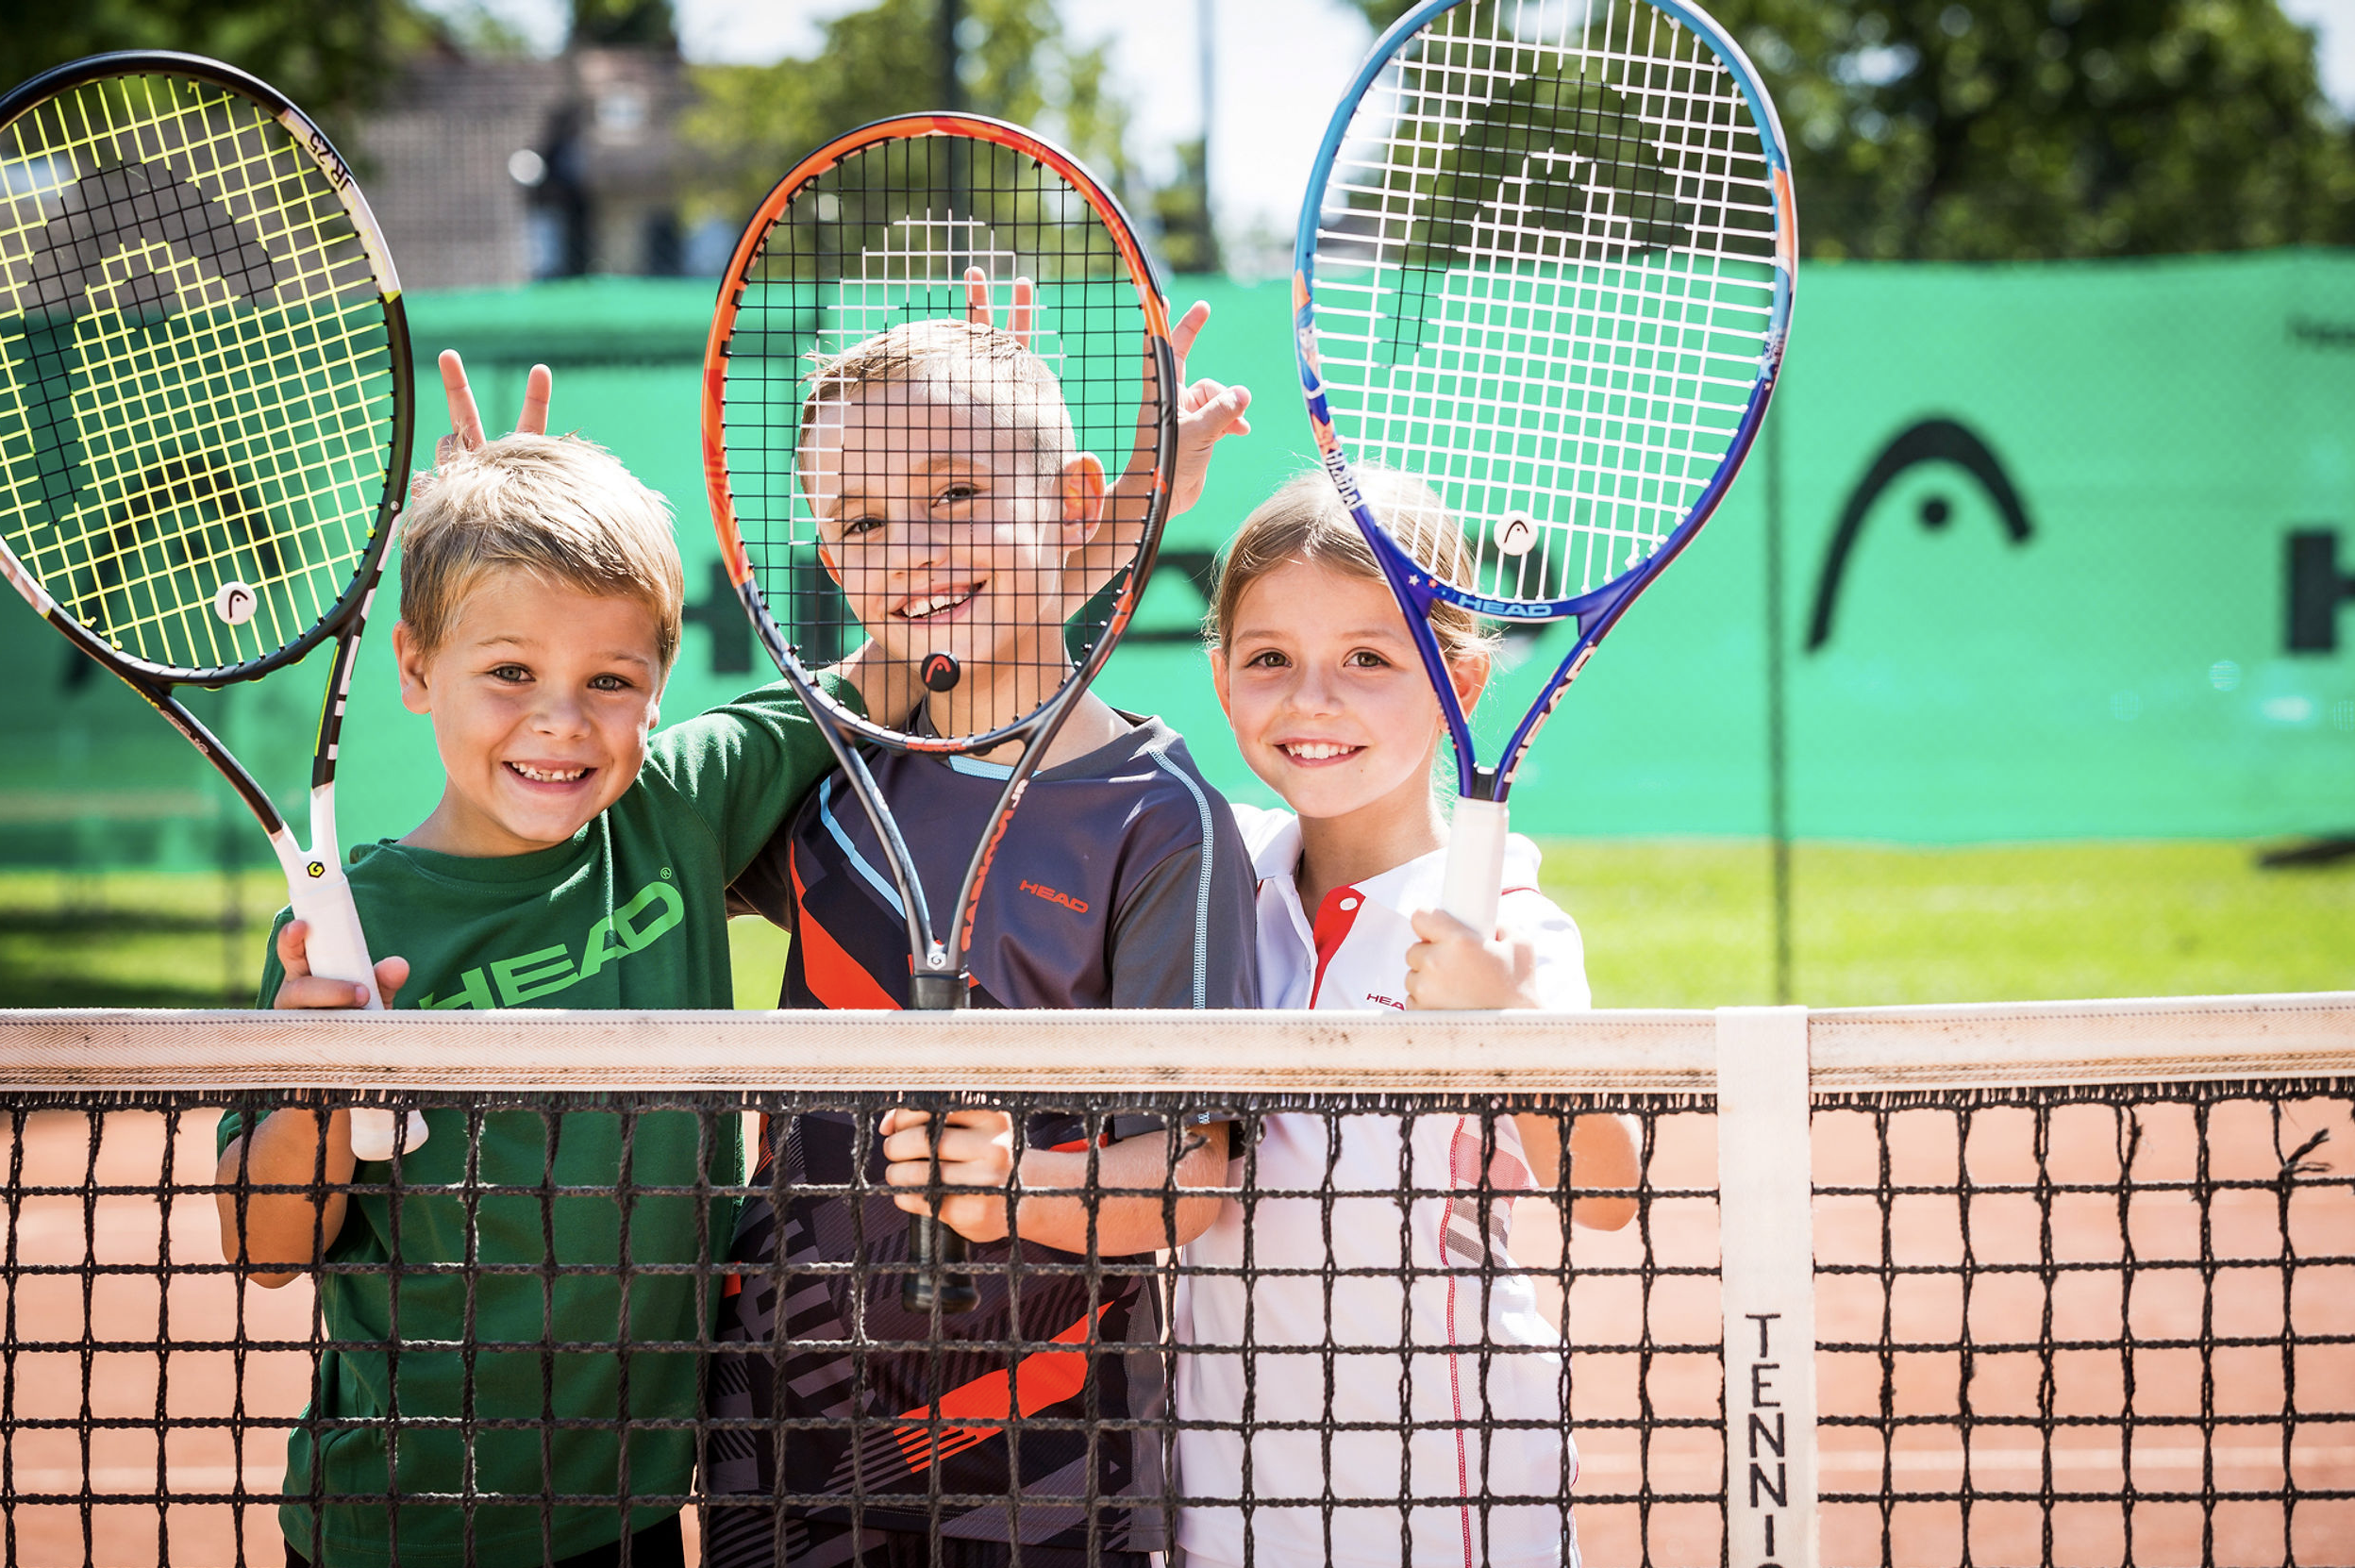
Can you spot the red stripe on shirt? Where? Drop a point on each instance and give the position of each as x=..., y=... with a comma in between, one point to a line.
x=1334, y=917
x=1042, y=1378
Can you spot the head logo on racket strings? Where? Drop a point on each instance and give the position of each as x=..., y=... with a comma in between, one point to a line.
x=938, y=423
x=206, y=411
x=1543, y=274
x=234, y=604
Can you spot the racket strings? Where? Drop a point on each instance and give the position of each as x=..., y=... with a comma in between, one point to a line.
x=902, y=470
x=1544, y=281
x=192, y=333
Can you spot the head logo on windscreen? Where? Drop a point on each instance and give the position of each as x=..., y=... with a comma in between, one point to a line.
x=1930, y=442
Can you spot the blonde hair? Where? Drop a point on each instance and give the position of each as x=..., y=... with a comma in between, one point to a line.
x=994, y=370
x=1305, y=521
x=560, y=507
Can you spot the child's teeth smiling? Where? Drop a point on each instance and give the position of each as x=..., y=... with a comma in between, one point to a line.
x=917, y=609
x=1315, y=751
x=548, y=775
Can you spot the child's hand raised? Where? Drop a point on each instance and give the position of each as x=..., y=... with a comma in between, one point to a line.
x=301, y=988
x=466, y=432
x=1451, y=969
x=1207, y=411
x=976, y=1150
x=1021, y=320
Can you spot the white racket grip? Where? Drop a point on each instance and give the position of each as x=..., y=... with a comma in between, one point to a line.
x=1475, y=878
x=336, y=950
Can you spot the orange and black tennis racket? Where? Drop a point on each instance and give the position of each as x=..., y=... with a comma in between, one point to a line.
x=888, y=466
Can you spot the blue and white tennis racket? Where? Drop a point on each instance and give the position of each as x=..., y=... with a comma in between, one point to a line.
x=1545, y=266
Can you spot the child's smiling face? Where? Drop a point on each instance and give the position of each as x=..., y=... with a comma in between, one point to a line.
x=542, y=697
x=1329, y=701
x=947, y=531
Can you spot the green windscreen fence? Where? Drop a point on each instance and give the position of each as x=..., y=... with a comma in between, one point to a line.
x=2029, y=552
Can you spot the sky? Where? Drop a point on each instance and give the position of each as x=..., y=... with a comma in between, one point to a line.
x=2333, y=21
x=1280, y=66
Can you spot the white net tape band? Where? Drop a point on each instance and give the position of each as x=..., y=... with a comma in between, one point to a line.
x=1993, y=1045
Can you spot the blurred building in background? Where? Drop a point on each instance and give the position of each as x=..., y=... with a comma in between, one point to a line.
x=493, y=171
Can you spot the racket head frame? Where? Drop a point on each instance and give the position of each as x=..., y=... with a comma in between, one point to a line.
x=1598, y=609
x=937, y=965
x=347, y=614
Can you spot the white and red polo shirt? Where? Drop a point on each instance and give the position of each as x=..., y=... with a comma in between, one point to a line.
x=1352, y=951
x=1397, y=1308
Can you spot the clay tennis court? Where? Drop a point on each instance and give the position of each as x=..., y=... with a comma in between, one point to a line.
x=2201, y=1274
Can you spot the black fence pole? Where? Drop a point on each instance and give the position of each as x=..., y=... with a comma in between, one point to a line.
x=952, y=76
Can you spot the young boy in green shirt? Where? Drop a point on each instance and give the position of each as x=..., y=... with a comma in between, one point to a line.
x=576, y=860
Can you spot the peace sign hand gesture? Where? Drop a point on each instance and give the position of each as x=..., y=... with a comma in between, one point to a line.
x=466, y=432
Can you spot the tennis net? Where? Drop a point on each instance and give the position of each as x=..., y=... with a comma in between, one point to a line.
x=2040, y=1283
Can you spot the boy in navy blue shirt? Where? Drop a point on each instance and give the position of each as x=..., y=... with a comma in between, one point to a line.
x=1121, y=882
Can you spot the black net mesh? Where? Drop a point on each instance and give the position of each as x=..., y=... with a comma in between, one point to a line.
x=2088, y=1326
x=2084, y=1326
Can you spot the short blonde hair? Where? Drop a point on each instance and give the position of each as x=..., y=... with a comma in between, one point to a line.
x=560, y=507
x=1305, y=521
x=985, y=366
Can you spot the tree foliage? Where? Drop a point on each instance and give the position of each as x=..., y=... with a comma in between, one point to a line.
x=1937, y=128
x=1988, y=130
x=1381, y=13
x=332, y=58
x=750, y=124
x=642, y=22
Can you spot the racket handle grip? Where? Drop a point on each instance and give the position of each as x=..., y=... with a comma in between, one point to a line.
x=933, y=1252
x=338, y=949
x=1475, y=877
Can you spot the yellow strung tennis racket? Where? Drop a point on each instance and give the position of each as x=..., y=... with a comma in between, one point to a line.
x=205, y=412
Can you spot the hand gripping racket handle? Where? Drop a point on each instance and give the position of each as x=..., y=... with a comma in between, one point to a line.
x=1475, y=878
x=934, y=1250
x=338, y=949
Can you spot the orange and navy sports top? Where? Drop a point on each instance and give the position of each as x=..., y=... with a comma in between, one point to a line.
x=1121, y=882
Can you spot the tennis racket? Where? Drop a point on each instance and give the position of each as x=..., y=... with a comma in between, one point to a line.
x=204, y=413
x=1545, y=265
x=988, y=615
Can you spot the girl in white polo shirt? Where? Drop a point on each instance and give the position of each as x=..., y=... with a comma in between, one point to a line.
x=1330, y=706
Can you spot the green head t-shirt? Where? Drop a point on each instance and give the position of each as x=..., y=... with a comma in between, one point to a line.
x=631, y=913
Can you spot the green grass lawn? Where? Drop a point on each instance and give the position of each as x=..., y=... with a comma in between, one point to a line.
x=134, y=939
x=1669, y=923
x=1687, y=922
x=1687, y=925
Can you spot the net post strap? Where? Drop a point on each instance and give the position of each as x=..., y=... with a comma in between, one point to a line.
x=1767, y=1272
